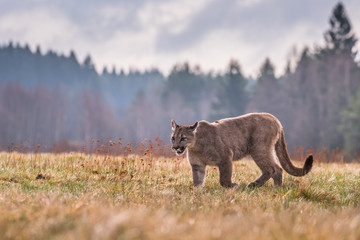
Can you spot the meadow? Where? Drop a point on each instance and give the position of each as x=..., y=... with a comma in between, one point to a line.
x=148, y=196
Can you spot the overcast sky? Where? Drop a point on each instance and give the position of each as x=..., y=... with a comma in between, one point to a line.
x=160, y=33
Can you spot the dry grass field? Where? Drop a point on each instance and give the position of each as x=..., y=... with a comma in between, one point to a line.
x=97, y=196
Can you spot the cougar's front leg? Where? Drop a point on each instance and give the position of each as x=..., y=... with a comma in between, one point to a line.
x=198, y=174
x=225, y=170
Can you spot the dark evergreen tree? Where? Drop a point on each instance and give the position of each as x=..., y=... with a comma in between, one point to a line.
x=267, y=91
x=186, y=83
x=350, y=125
x=338, y=77
x=232, y=97
x=38, y=50
x=340, y=35
x=300, y=112
x=88, y=63
x=105, y=71
x=73, y=57
x=113, y=72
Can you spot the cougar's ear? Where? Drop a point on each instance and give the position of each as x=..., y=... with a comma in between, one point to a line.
x=173, y=125
x=193, y=127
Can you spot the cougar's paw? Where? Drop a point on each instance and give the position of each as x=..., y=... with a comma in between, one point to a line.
x=198, y=186
x=229, y=185
x=253, y=185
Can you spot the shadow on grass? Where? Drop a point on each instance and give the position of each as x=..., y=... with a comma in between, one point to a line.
x=295, y=192
x=310, y=194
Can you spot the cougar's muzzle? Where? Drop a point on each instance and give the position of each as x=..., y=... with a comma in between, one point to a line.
x=179, y=150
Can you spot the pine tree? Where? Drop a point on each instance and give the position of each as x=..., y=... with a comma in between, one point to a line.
x=73, y=58
x=350, y=125
x=300, y=108
x=337, y=75
x=340, y=36
x=88, y=63
x=232, y=96
x=38, y=50
x=105, y=71
x=267, y=91
x=186, y=83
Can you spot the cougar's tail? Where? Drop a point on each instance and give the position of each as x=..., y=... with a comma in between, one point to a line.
x=280, y=148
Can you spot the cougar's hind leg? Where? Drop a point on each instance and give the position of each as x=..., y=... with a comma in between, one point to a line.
x=269, y=169
x=277, y=177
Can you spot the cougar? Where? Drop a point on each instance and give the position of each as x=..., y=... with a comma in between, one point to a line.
x=259, y=135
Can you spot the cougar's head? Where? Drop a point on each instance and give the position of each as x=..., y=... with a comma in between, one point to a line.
x=182, y=136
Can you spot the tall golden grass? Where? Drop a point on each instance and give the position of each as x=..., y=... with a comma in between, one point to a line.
x=111, y=190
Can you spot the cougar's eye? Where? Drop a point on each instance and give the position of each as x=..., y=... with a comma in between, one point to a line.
x=172, y=139
x=182, y=139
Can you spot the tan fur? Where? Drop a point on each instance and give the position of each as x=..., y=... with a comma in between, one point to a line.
x=259, y=135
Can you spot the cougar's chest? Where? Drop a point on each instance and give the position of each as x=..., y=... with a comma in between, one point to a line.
x=202, y=158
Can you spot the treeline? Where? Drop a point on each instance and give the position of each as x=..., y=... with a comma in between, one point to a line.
x=47, y=98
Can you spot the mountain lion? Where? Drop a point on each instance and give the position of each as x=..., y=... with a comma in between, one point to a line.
x=259, y=135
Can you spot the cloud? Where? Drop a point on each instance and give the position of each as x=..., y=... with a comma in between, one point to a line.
x=255, y=29
x=171, y=16
x=258, y=20
x=248, y=3
x=109, y=15
x=161, y=33
x=40, y=26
